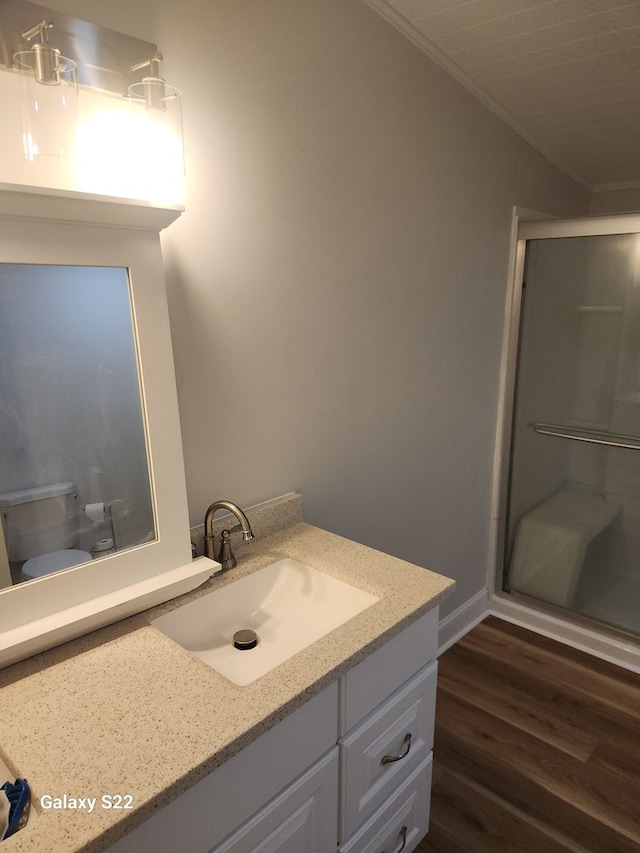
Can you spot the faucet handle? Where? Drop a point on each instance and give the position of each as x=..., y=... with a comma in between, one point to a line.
x=225, y=555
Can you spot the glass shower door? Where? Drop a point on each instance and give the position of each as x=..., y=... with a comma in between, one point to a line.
x=573, y=518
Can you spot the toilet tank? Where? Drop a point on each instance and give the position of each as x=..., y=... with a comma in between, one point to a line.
x=38, y=520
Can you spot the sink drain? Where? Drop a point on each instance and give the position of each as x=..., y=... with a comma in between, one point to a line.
x=245, y=639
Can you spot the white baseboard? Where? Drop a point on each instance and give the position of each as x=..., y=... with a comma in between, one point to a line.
x=618, y=651
x=463, y=619
x=454, y=626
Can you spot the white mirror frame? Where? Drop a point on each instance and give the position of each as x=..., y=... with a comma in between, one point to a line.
x=51, y=227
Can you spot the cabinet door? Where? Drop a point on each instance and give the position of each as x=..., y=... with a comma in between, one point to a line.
x=380, y=753
x=216, y=806
x=302, y=818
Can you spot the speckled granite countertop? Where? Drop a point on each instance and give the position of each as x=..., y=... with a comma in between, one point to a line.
x=125, y=711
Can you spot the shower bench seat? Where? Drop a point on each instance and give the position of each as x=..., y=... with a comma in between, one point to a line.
x=551, y=542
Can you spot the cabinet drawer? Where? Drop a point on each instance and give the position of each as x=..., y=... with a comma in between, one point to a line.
x=302, y=817
x=370, y=682
x=405, y=820
x=370, y=766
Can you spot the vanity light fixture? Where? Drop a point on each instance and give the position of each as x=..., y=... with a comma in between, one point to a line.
x=102, y=122
x=49, y=96
x=155, y=140
x=45, y=62
x=153, y=90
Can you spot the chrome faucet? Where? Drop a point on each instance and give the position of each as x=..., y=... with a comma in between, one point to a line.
x=225, y=555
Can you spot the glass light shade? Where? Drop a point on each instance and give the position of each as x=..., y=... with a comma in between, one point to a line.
x=131, y=151
x=49, y=103
x=156, y=138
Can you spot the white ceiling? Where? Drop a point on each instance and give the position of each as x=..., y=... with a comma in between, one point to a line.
x=564, y=73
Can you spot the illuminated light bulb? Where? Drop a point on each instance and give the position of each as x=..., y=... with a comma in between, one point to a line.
x=129, y=151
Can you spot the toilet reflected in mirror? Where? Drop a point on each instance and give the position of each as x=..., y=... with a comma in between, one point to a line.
x=40, y=531
x=74, y=474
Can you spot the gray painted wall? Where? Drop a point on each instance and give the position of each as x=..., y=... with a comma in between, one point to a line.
x=337, y=283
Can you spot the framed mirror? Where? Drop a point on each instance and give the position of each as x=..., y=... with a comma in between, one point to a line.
x=75, y=480
x=91, y=464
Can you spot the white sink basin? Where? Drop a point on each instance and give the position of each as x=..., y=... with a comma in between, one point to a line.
x=287, y=604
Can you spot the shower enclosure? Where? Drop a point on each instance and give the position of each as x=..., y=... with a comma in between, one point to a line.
x=569, y=532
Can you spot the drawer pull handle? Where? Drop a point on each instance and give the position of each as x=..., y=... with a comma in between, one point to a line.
x=403, y=839
x=406, y=743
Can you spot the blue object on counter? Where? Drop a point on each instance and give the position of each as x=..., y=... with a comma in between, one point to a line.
x=19, y=798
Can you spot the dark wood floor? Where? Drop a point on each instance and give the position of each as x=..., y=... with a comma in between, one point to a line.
x=537, y=748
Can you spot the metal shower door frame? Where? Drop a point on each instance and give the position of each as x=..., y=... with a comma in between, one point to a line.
x=522, y=232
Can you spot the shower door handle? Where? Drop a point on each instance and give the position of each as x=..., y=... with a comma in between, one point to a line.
x=591, y=436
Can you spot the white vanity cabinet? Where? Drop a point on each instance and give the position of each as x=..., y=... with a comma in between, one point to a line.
x=386, y=746
x=302, y=818
x=218, y=807
x=349, y=771
x=378, y=756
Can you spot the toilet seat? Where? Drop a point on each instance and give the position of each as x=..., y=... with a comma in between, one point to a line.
x=55, y=561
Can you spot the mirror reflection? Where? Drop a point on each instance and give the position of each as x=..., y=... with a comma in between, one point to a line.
x=74, y=473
